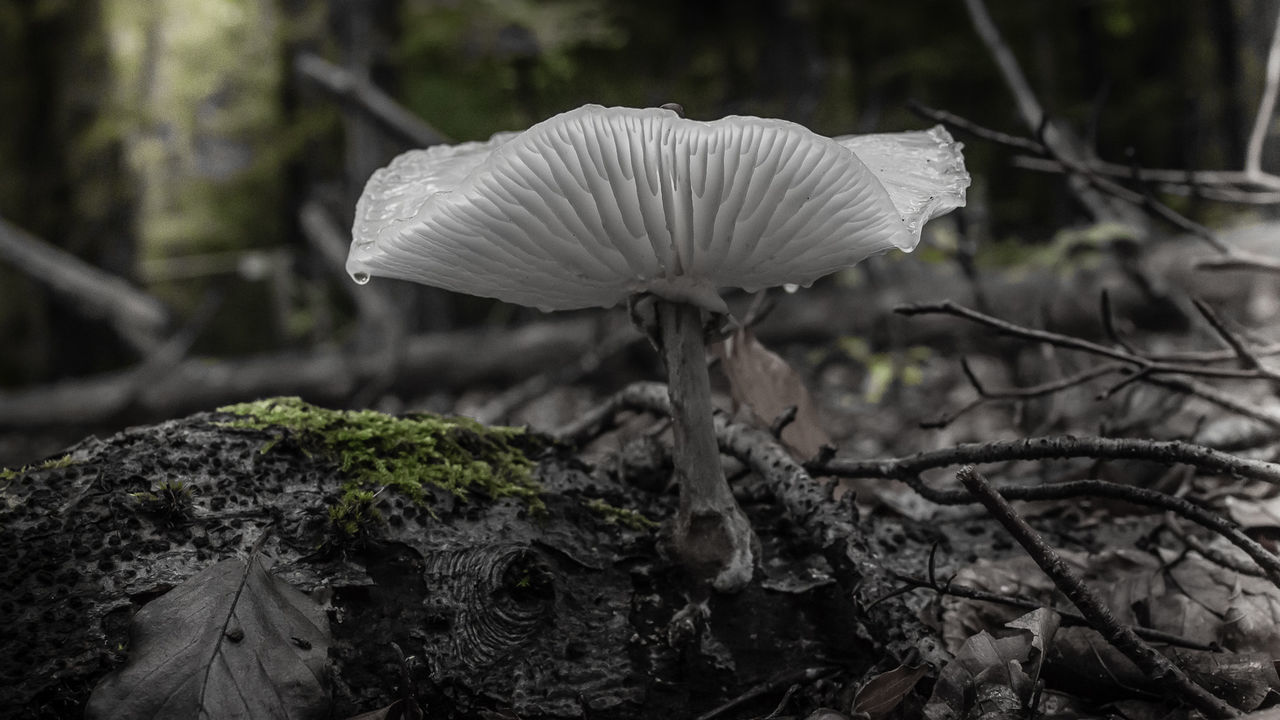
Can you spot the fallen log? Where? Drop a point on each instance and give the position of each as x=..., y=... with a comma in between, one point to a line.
x=544, y=596
x=450, y=360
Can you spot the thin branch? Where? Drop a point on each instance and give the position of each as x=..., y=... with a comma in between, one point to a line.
x=1028, y=106
x=366, y=96
x=1142, y=363
x=1229, y=185
x=1057, y=141
x=1266, y=107
x=1109, y=323
x=1240, y=261
x=986, y=396
x=1156, y=666
x=1169, y=452
x=778, y=682
x=1213, y=555
x=1215, y=396
x=964, y=124
x=1211, y=356
x=1248, y=360
x=1100, y=183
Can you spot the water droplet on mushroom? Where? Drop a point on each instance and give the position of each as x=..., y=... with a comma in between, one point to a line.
x=361, y=277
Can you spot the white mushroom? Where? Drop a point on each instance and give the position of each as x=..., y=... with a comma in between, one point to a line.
x=596, y=205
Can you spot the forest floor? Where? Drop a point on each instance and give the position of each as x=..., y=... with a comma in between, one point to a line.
x=1139, y=441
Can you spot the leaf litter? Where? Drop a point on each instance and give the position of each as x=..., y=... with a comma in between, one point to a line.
x=232, y=641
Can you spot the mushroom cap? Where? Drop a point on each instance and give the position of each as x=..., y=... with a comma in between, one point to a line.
x=596, y=204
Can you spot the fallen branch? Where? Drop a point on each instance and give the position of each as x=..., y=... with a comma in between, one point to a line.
x=366, y=96
x=1266, y=106
x=1265, y=559
x=1057, y=141
x=1168, y=452
x=139, y=318
x=1081, y=169
x=1156, y=666
x=444, y=361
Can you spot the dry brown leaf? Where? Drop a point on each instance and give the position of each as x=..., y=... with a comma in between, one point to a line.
x=1182, y=595
x=988, y=672
x=1254, y=512
x=885, y=691
x=764, y=384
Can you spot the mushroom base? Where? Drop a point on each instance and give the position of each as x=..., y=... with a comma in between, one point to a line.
x=719, y=546
x=712, y=535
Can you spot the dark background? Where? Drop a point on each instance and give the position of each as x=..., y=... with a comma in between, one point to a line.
x=176, y=145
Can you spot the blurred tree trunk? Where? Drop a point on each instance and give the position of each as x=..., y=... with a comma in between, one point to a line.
x=62, y=179
x=198, y=84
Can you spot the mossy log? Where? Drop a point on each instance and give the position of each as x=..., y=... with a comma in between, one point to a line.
x=525, y=582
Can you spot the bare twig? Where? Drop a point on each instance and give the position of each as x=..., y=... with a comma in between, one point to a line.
x=1156, y=666
x=1028, y=106
x=1213, y=555
x=985, y=395
x=1168, y=452
x=1212, y=356
x=1248, y=360
x=1240, y=261
x=1083, y=170
x=1266, y=107
x=782, y=680
x=1057, y=141
x=340, y=83
x=1233, y=186
x=1141, y=363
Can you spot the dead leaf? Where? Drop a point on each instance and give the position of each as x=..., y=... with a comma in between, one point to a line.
x=985, y=678
x=885, y=691
x=766, y=386
x=232, y=641
x=398, y=710
x=1252, y=513
x=1182, y=595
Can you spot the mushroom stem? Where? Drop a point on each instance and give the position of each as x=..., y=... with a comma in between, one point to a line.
x=712, y=536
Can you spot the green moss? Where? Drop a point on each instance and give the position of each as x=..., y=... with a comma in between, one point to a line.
x=170, y=499
x=355, y=513
x=408, y=454
x=613, y=515
x=7, y=474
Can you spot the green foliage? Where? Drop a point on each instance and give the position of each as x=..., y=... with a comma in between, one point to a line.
x=884, y=369
x=170, y=499
x=408, y=454
x=355, y=514
x=613, y=515
x=8, y=474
